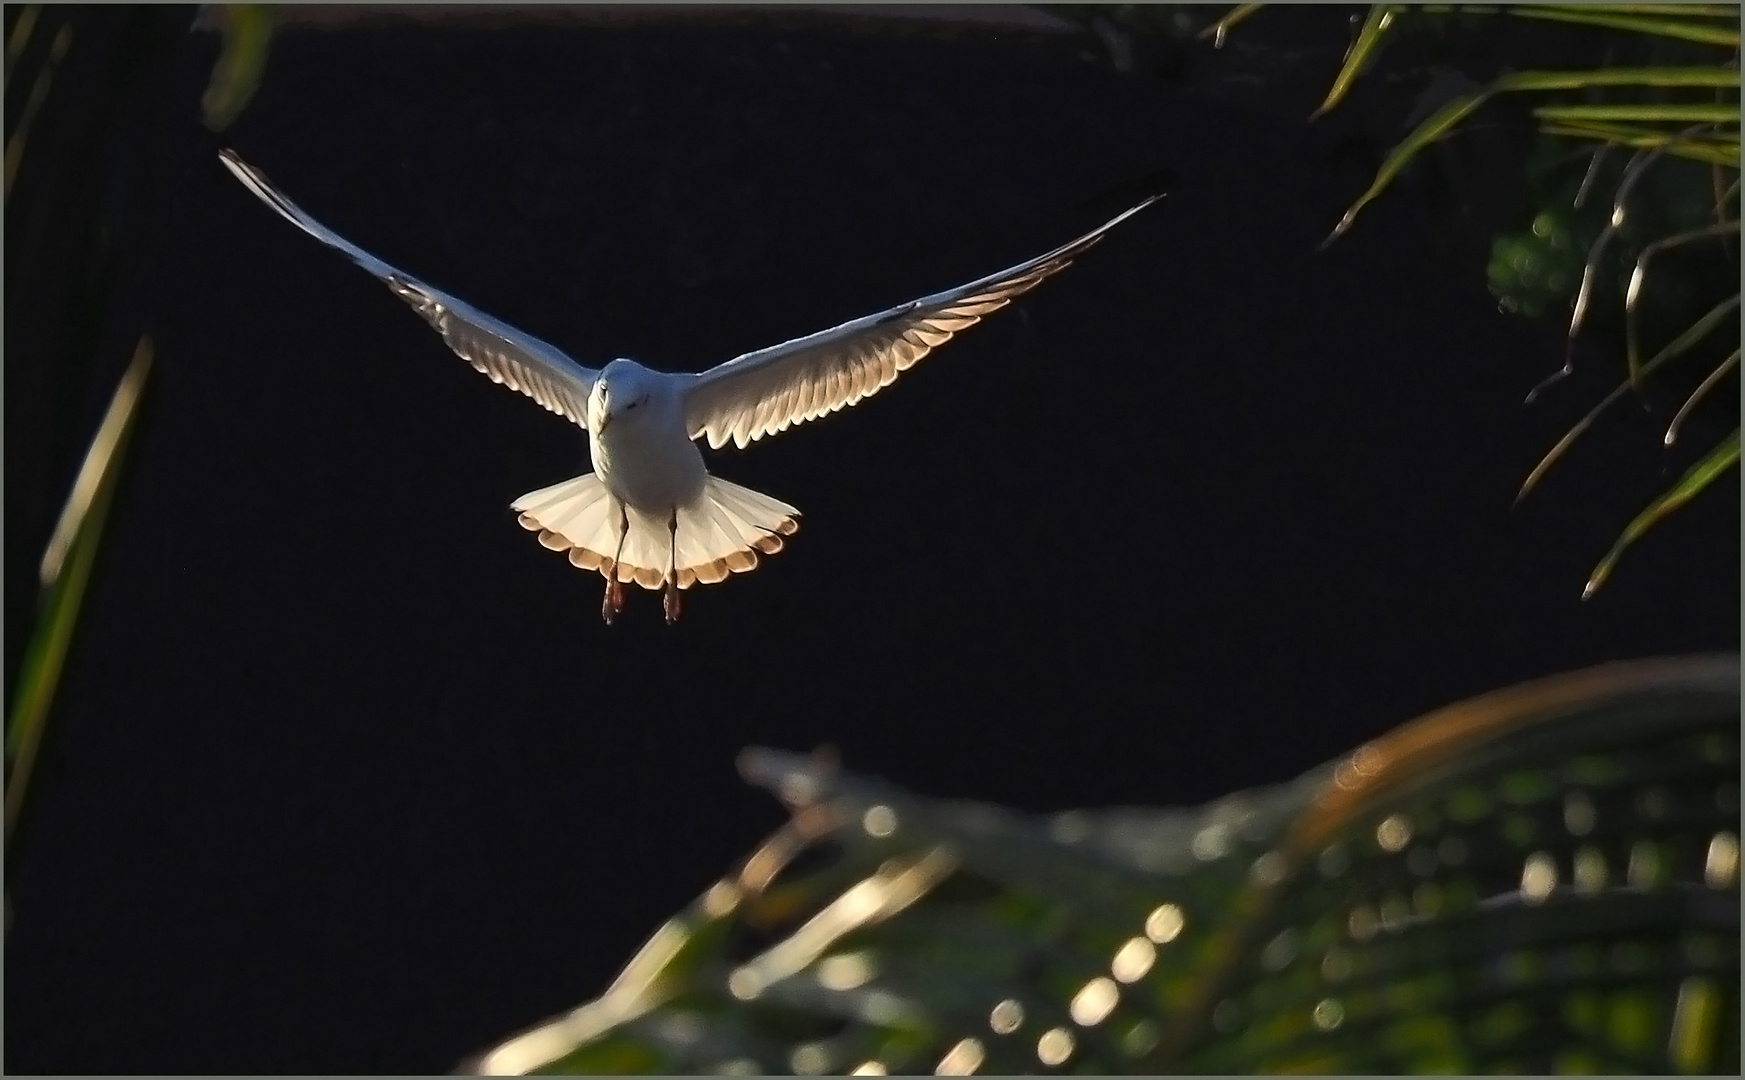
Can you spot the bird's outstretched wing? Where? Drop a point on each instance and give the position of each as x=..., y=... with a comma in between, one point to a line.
x=508, y=356
x=763, y=392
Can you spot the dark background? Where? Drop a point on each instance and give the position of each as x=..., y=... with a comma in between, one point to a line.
x=347, y=775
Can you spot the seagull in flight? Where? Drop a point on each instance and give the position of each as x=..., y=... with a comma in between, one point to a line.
x=650, y=512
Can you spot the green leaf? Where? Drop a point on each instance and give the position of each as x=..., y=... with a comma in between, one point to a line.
x=1722, y=141
x=1438, y=125
x=1712, y=380
x=1104, y=943
x=1684, y=28
x=1704, y=11
x=1709, y=152
x=1449, y=115
x=1586, y=78
x=19, y=38
x=1380, y=18
x=1639, y=276
x=242, y=60
x=67, y=570
x=1677, y=347
x=1236, y=14
x=1644, y=112
x=1701, y=475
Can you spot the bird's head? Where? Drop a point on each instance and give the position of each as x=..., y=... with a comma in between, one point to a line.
x=621, y=395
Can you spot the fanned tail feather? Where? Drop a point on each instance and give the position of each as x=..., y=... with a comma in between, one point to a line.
x=724, y=531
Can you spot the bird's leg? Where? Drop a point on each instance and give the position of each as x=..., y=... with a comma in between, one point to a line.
x=671, y=602
x=614, y=601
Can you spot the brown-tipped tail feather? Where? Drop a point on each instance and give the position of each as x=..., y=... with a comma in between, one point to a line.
x=724, y=531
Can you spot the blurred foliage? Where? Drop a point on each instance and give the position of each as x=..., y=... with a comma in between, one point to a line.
x=1656, y=128
x=76, y=79
x=1630, y=195
x=66, y=569
x=1543, y=879
x=246, y=36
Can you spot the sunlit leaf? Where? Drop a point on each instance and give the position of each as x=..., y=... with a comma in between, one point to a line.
x=1692, y=75
x=39, y=89
x=1700, y=112
x=1445, y=119
x=20, y=37
x=1683, y=28
x=1704, y=136
x=1677, y=347
x=1438, y=125
x=1639, y=277
x=1705, y=11
x=247, y=31
x=1375, y=24
x=1713, y=151
x=46, y=651
x=1700, y=476
x=1426, y=904
x=1237, y=14
x=1712, y=380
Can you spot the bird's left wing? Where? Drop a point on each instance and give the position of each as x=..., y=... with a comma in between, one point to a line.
x=763, y=392
x=506, y=355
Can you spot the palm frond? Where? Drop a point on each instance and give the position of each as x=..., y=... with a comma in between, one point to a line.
x=246, y=37
x=66, y=570
x=1488, y=888
x=1701, y=475
x=1638, y=119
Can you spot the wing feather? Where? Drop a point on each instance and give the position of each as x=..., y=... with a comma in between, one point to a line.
x=763, y=392
x=502, y=353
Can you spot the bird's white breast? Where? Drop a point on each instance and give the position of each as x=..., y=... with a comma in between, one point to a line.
x=650, y=463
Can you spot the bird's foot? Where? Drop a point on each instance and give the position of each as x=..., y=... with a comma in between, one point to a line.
x=671, y=604
x=614, y=601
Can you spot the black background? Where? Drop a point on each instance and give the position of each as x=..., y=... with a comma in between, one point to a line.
x=347, y=774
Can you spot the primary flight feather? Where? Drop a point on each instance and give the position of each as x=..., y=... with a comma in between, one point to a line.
x=651, y=513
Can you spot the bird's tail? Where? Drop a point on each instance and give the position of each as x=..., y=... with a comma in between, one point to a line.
x=722, y=531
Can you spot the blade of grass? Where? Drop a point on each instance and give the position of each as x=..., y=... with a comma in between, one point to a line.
x=1725, y=155
x=1698, y=112
x=1633, y=293
x=1674, y=11
x=1719, y=139
x=1685, y=29
x=46, y=652
x=19, y=38
x=57, y=52
x=1582, y=79
x=1441, y=122
x=1721, y=203
x=1696, y=332
x=1701, y=475
x=1375, y=24
x=1236, y=15
x=1713, y=380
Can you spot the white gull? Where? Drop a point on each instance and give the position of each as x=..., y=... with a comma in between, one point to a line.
x=650, y=512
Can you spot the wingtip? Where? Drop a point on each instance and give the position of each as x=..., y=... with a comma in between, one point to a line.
x=1145, y=189
x=239, y=168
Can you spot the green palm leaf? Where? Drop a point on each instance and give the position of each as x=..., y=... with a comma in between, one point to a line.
x=66, y=570
x=1699, y=476
x=1539, y=879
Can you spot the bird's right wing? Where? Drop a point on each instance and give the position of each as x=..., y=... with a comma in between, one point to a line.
x=763, y=392
x=508, y=356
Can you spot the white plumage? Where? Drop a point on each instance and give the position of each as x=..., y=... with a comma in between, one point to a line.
x=650, y=513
